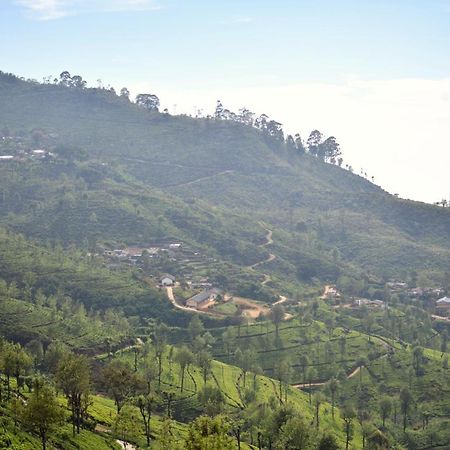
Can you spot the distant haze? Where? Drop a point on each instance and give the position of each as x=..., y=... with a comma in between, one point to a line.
x=375, y=74
x=395, y=130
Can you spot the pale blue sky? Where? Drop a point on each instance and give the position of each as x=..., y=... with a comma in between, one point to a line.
x=309, y=63
x=232, y=42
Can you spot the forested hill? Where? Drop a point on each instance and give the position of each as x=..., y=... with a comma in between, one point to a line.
x=217, y=171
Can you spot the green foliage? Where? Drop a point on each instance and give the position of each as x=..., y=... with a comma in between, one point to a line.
x=207, y=433
x=42, y=413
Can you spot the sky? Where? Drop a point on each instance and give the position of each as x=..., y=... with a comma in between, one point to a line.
x=373, y=73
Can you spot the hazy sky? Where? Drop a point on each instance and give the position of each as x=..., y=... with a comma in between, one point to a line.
x=374, y=73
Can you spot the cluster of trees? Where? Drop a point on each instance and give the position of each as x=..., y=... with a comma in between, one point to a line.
x=444, y=203
x=40, y=411
x=67, y=80
x=327, y=150
x=147, y=101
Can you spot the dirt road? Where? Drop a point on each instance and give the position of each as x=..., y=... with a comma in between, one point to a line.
x=353, y=373
x=282, y=300
x=206, y=177
x=250, y=308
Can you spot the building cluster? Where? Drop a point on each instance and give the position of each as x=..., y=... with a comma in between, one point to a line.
x=29, y=146
x=199, y=301
x=443, y=306
x=369, y=303
x=420, y=292
x=136, y=255
x=36, y=154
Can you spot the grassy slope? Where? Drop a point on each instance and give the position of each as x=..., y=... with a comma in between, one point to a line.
x=164, y=151
x=226, y=378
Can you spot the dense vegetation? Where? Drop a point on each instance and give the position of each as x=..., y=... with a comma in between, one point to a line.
x=93, y=353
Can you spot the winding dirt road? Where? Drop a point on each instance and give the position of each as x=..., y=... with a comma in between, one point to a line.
x=271, y=257
x=282, y=300
x=353, y=373
x=254, y=308
x=206, y=177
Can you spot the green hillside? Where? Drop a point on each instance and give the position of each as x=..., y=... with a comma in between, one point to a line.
x=217, y=171
x=323, y=333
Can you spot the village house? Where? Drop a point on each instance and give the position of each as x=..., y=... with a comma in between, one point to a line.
x=443, y=305
x=202, y=299
x=397, y=285
x=331, y=292
x=167, y=280
x=369, y=303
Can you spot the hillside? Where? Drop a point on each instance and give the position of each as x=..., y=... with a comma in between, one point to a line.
x=187, y=172
x=317, y=323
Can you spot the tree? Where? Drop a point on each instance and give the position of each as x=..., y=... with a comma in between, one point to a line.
x=311, y=374
x=22, y=363
x=160, y=343
x=318, y=400
x=348, y=414
x=246, y=116
x=417, y=359
x=406, y=400
x=78, y=82
x=444, y=341
x=212, y=399
x=329, y=150
x=148, y=101
x=333, y=386
x=167, y=439
x=362, y=362
x=42, y=413
x=184, y=357
x=65, y=79
x=219, y=112
x=246, y=362
x=15, y=362
x=275, y=131
x=125, y=93
x=342, y=345
x=295, y=435
x=120, y=381
x=299, y=144
x=228, y=340
x=313, y=142
x=303, y=361
x=145, y=404
x=53, y=355
x=206, y=433
x=328, y=442
x=204, y=361
x=195, y=327
x=376, y=440
x=237, y=424
x=150, y=372
x=282, y=373
x=385, y=407
x=73, y=376
x=277, y=316
x=125, y=424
